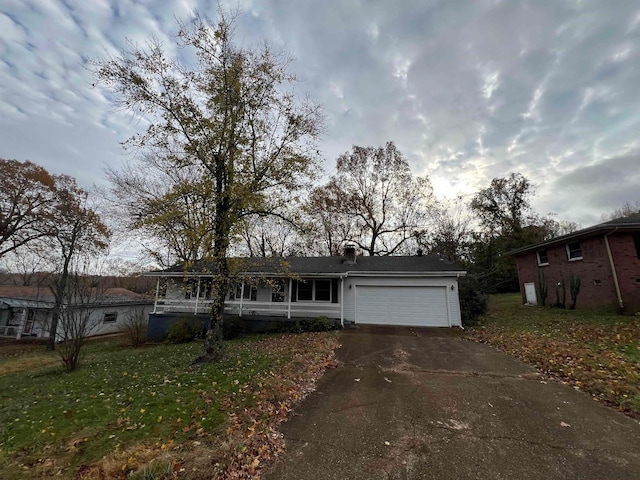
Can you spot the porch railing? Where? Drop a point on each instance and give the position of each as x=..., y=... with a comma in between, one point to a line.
x=280, y=309
x=9, y=330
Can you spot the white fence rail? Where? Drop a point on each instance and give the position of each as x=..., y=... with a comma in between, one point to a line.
x=280, y=309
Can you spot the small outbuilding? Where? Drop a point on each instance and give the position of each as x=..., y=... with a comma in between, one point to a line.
x=28, y=311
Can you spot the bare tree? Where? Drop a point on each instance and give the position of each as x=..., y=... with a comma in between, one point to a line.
x=452, y=232
x=328, y=221
x=83, y=294
x=80, y=232
x=627, y=209
x=377, y=199
x=231, y=115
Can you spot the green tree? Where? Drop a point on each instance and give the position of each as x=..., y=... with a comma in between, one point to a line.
x=234, y=116
x=169, y=207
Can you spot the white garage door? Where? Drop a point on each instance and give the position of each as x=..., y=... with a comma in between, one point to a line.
x=414, y=306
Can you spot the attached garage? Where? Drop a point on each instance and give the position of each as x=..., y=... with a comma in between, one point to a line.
x=423, y=306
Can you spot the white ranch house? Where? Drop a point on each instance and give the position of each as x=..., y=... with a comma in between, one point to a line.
x=419, y=290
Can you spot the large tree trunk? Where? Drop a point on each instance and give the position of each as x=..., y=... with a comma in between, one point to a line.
x=213, y=340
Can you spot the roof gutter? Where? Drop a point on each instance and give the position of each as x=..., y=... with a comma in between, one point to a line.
x=613, y=268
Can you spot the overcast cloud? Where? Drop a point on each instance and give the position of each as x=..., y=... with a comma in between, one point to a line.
x=468, y=90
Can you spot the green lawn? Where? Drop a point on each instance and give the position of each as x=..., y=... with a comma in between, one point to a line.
x=595, y=351
x=122, y=401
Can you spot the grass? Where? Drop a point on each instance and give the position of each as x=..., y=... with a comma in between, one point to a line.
x=594, y=351
x=125, y=407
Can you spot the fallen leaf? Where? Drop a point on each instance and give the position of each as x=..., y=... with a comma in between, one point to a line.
x=563, y=424
x=387, y=380
x=357, y=379
x=387, y=443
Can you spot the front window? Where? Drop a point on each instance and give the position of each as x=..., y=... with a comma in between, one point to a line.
x=574, y=251
x=277, y=291
x=323, y=290
x=543, y=258
x=314, y=290
x=305, y=291
x=248, y=293
x=110, y=317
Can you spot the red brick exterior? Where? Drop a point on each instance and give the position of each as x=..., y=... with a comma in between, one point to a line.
x=593, y=267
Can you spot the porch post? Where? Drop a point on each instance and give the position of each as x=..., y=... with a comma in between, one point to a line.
x=342, y=301
x=22, y=323
x=197, y=295
x=155, y=303
x=241, y=296
x=289, y=305
x=446, y=296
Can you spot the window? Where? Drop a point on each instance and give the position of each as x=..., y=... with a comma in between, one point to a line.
x=249, y=293
x=323, y=290
x=191, y=288
x=110, y=317
x=574, y=251
x=636, y=240
x=305, y=290
x=314, y=290
x=543, y=258
x=205, y=287
x=277, y=291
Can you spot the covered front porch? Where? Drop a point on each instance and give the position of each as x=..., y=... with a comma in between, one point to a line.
x=273, y=297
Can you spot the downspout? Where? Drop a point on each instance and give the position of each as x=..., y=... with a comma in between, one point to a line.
x=613, y=269
x=342, y=302
x=289, y=303
x=241, y=298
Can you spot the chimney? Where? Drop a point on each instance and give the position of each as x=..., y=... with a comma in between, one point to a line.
x=419, y=252
x=350, y=253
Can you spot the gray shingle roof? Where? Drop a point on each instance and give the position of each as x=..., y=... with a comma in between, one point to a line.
x=426, y=264
x=628, y=223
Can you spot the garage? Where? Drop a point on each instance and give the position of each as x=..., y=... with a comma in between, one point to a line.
x=402, y=305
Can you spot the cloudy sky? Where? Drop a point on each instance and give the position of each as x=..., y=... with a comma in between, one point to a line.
x=468, y=90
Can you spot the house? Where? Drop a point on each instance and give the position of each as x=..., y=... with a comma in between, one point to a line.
x=27, y=311
x=419, y=290
x=605, y=257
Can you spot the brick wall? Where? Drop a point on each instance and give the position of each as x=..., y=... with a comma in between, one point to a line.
x=597, y=288
x=627, y=263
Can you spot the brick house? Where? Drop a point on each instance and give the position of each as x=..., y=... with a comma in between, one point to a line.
x=605, y=257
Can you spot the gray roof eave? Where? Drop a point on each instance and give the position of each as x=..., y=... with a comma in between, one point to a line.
x=585, y=232
x=353, y=273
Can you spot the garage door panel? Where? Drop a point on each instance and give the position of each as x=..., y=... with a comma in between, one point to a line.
x=401, y=305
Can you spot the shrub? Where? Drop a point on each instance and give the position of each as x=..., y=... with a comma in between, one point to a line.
x=317, y=324
x=135, y=326
x=473, y=301
x=233, y=327
x=184, y=330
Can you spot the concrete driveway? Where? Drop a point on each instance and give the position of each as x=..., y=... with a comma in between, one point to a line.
x=410, y=403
